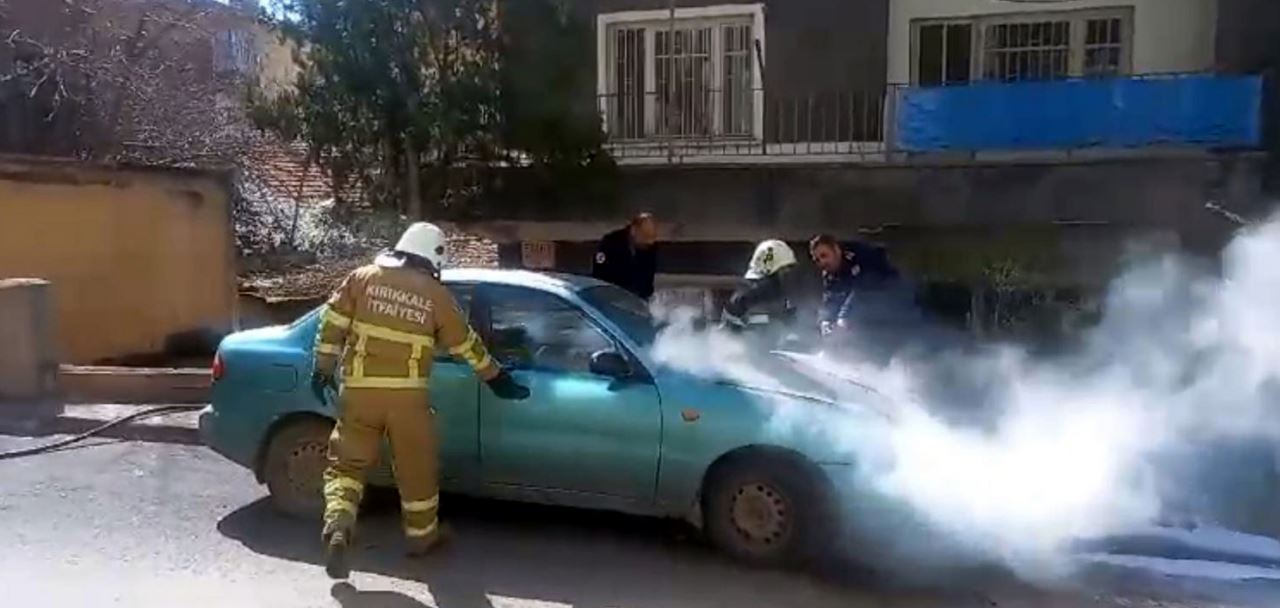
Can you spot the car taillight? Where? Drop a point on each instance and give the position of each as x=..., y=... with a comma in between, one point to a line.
x=216, y=370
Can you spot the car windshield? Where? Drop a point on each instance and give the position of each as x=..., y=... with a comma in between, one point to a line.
x=627, y=311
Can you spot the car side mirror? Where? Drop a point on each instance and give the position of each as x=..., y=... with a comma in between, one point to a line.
x=610, y=364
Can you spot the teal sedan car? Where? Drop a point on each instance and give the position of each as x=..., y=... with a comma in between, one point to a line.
x=607, y=427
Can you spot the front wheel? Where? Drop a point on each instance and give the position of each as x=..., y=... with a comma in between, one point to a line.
x=294, y=467
x=767, y=510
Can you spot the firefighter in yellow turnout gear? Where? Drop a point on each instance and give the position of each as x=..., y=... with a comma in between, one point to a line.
x=384, y=323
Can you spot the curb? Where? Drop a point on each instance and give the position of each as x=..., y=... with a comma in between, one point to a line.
x=94, y=385
x=180, y=428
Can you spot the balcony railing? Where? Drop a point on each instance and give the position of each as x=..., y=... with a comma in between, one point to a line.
x=1196, y=110
x=717, y=123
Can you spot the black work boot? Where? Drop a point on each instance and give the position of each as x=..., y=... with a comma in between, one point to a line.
x=335, y=554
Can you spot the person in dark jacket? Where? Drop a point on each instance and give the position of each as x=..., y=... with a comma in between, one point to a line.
x=628, y=257
x=855, y=278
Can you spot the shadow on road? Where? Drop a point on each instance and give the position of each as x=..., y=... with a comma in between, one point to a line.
x=350, y=597
x=583, y=559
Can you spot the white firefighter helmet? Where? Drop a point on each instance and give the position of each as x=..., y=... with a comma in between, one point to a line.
x=426, y=241
x=770, y=257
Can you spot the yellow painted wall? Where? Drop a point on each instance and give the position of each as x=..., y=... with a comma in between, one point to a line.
x=134, y=255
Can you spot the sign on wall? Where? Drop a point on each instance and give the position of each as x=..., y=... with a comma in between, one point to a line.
x=538, y=255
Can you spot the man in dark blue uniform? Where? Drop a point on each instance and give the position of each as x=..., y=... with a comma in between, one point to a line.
x=628, y=257
x=849, y=271
x=865, y=302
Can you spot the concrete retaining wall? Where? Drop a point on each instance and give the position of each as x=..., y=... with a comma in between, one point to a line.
x=134, y=385
x=1070, y=219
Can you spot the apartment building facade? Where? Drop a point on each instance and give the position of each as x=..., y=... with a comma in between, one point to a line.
x=958, y=132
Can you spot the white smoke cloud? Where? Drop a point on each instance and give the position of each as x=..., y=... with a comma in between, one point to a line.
x=1020, y=458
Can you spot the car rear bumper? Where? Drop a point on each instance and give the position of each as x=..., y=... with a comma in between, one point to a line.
x=207, y=416
x=208, y=430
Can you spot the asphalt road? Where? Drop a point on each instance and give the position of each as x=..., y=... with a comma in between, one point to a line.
x=147, y=524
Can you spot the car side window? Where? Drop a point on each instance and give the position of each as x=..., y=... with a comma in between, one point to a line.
x=462, y=293
x=531, y=329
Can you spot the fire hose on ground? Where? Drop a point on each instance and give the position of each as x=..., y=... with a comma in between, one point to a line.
x=154, y=412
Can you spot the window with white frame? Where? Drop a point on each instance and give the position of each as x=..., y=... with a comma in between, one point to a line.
x=1030, y=50
x=1032, y=46
x=944, y=53
x=694, y=76
x=1104, y=46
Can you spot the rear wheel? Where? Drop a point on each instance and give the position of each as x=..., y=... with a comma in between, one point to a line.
x=294, y=467
x=766, y=510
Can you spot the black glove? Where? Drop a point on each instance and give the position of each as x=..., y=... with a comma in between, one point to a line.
x=320, y=381
x=732, y=323
x=505, y=387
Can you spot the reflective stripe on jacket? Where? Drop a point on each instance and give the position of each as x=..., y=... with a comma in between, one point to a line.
x=385, y=323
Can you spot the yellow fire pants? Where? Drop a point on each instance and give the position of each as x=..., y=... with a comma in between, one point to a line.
x=406, y=420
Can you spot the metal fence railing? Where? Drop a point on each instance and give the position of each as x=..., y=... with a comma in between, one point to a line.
x=743, y=122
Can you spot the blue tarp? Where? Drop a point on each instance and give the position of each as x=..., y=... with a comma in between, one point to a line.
x=1203, y=110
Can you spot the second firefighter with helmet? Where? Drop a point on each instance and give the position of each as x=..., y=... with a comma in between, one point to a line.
x=765, y=305
x=383, y=325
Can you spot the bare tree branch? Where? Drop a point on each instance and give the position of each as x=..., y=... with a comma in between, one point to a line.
x=124, y=72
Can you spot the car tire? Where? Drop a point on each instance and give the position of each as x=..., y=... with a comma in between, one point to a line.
x=294, y=468
x=767, y=510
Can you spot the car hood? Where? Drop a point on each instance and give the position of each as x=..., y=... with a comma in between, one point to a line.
x=811, y=378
